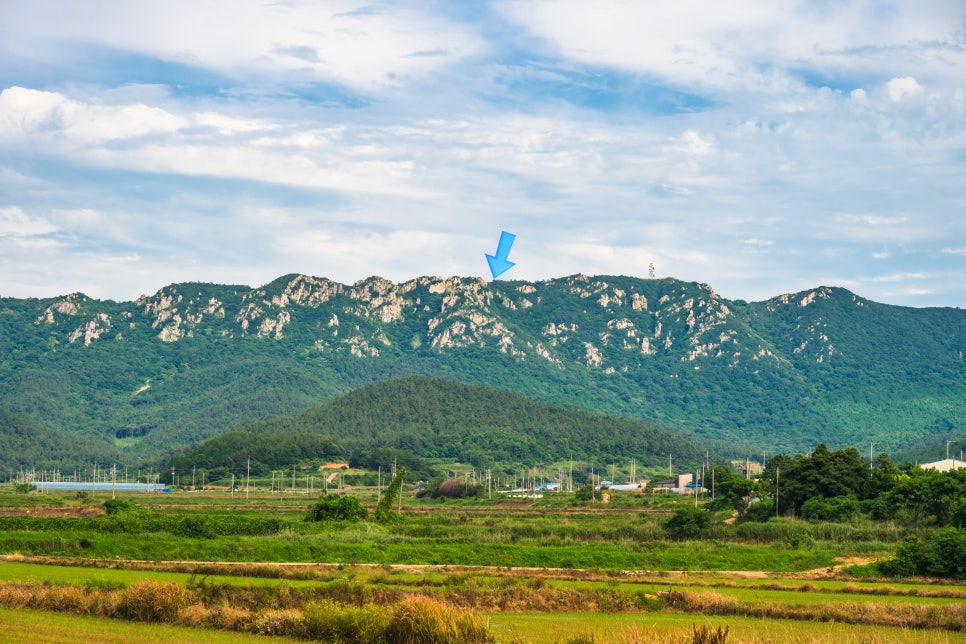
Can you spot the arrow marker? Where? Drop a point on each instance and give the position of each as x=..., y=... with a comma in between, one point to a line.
x=499, y=263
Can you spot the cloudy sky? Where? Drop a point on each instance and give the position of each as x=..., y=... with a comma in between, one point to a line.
x=760, y=147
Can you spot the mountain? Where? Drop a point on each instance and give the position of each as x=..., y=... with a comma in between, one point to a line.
x=433, y=418
x=194, y=359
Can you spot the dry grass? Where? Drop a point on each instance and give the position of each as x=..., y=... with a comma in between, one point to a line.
x=948, y=617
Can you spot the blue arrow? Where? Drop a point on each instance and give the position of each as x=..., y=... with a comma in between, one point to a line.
x=498, y=263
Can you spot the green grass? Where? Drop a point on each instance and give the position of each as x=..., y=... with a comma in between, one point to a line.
x=29, y=625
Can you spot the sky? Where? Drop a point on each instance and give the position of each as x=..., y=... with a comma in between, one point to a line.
x=762, y=148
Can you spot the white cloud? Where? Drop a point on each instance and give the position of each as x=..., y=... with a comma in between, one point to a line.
x=14, y=222
x=26, y=113
x=371, y=47
x=899, y=277
x=900, y=89
x=746, y=44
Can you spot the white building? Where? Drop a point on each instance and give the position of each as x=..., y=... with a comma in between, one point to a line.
x=945, y=465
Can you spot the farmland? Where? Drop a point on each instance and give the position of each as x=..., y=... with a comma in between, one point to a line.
x=530, y=570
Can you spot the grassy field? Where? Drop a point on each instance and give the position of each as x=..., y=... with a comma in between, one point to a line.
x=550, y=628
x=539, y=572
x=215, y=526
x=29, y=625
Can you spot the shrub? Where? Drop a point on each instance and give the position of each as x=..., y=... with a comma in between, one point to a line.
x=839, y=508
x=420, y=620
x=331, y=621
x=149, y=601
x=452, y=489
x=687, y=523
x=336, y=508
x=704, y=634
x=113, y=506
x=285, y=622
x=759, y=511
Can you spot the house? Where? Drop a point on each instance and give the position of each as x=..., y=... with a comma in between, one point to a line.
x=675, y=484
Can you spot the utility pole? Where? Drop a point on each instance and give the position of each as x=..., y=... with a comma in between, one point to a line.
x=695, y=488
x=113, y=480
x=947, y=447
x=871, y=457
x=248, y=477
x=670, y=471
x=776, y=492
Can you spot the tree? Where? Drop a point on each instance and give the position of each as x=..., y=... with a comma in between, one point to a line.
x=384, y=511
x=731, y=490
x=821, y=475
x=941, y=553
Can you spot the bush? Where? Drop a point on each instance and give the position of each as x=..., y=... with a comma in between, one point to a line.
x=941, y=553
x=687, y=523
x=416, y=620
x=839, y=508
x=113, y=506
x=149, y=601
x=331, y=621
x=452, y=489
x=760, y=511
x=420, y=620
x=336, y=508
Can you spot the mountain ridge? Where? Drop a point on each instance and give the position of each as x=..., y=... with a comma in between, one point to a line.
x=194, y=358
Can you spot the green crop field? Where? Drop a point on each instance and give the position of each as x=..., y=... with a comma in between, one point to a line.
x=522, y=571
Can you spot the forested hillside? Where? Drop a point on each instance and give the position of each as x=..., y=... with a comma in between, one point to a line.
x=435, y=418
x=193, y=360
x=27, y=444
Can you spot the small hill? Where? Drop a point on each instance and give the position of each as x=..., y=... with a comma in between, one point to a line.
x=436, y=418
x=29, y=445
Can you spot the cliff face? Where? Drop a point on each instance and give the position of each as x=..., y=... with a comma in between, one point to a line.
x=790, y=371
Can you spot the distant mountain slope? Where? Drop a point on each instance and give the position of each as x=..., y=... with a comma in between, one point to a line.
x=195, y=359
x=25, y=444
x=435, y=418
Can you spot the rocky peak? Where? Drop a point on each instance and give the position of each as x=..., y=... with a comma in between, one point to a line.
x=67, y=305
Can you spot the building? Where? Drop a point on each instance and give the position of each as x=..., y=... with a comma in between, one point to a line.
x=945, y=465
x=678, y=483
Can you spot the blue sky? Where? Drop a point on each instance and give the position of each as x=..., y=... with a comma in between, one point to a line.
x=762, y=148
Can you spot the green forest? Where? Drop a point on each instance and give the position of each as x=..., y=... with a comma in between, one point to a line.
x=103, y=381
